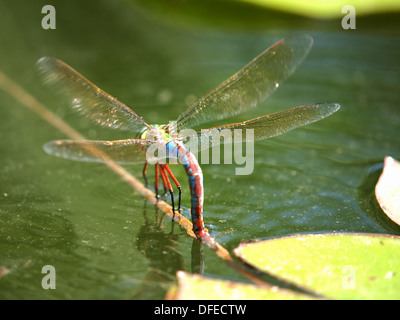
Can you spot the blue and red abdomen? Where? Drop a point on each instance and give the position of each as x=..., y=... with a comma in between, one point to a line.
x=195, y=174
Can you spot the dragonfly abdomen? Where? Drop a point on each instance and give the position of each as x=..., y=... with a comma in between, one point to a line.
x=195, y=175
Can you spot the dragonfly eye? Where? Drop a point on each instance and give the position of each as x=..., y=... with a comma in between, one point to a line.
x=143, y=134
x=153, y=134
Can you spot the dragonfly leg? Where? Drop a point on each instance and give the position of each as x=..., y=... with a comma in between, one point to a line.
x=177, y=185
x=144, y=172
x=168, y=184
x=164, y=179
x=160, y=171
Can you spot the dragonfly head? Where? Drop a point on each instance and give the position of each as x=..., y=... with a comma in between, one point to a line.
x=158, y=131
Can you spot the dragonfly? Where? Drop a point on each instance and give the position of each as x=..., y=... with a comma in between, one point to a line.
x=244, y=90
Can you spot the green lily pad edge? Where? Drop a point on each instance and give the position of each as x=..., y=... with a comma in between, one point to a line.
x=335, y=265
x=332, y=265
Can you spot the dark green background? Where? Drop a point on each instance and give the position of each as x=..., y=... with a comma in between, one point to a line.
x=100, y=236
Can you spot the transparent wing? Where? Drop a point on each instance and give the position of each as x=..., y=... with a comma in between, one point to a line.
x=87, y=98
x=129, y=151
x=251, y=85
x=264, y=127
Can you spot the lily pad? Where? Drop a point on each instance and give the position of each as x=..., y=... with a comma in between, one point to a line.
x=328, y=9
x=387, y=189
x=338, y=266
x=197, y=287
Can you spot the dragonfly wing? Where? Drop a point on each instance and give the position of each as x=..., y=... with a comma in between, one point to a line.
x=87, y=98
x=251, y=85
x=263, y=127
x=129, y=151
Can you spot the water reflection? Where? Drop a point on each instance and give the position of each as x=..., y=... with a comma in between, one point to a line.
x=160, y=247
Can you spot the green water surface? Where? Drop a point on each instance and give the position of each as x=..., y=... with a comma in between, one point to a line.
x=102, y=238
